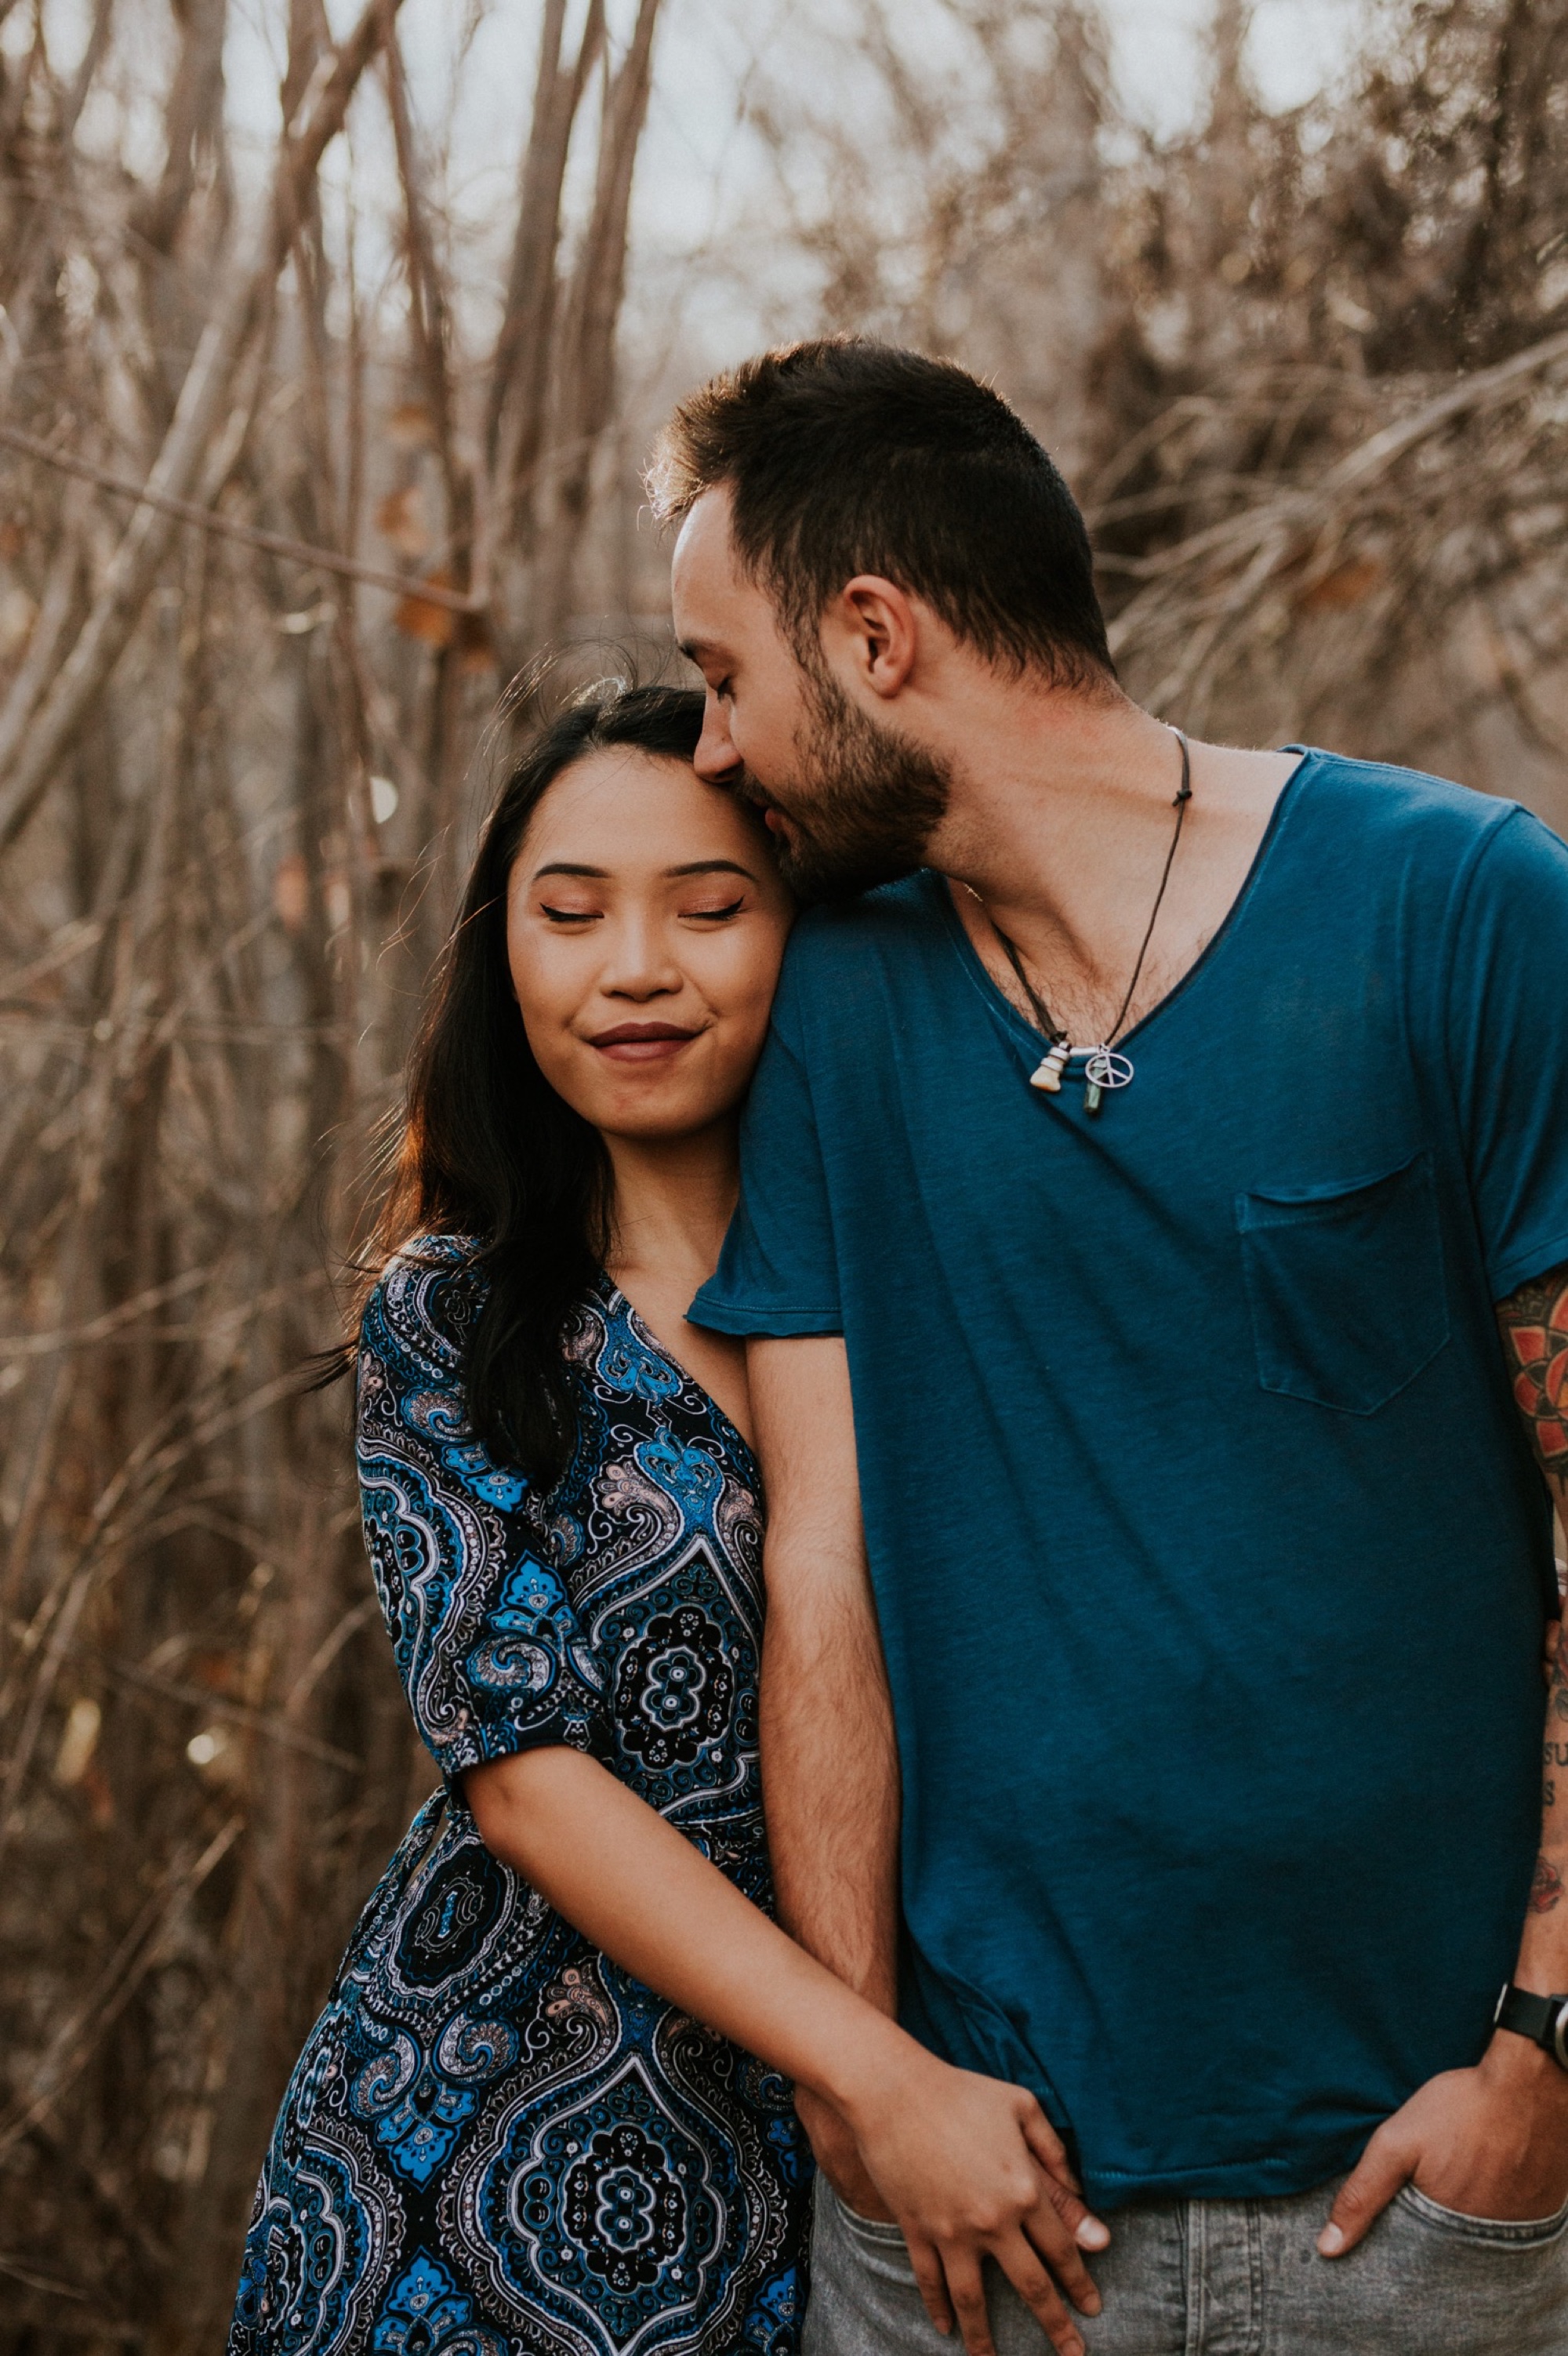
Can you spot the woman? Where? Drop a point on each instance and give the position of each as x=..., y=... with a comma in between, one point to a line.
x=507, y=2131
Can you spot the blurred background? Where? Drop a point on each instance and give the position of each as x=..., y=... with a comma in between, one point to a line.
x=380, y=309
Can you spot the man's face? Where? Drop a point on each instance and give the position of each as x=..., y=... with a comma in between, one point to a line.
x=851, y=804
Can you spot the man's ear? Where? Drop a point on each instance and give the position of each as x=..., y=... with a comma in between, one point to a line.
x=870, y=630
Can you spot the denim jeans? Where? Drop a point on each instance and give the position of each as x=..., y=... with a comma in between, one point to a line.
x=1231, y=2278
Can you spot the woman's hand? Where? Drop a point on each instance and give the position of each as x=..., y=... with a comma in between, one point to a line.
x=972, y=2169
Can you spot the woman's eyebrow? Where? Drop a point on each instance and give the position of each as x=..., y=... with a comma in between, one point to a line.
x=601, y=874
x=712, y=867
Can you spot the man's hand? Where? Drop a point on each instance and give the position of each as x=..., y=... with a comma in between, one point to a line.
x=838, y=2156
x=1489, y=2142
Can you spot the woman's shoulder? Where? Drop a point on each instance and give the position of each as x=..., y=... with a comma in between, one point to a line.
x=421, y=1307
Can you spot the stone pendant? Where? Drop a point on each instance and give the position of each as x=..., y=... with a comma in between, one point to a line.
x=1048, y=1075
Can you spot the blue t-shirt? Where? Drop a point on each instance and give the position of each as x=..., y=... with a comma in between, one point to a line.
x=1210, y=1557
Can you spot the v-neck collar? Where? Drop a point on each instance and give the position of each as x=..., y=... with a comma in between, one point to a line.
x=616, y=1302
x=997, y=1000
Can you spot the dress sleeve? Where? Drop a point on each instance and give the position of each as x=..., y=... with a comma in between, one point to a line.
x=492, y=1657
x=1506, y=1024
x=778, y=1273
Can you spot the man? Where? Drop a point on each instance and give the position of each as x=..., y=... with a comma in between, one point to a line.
x=1153, y=1155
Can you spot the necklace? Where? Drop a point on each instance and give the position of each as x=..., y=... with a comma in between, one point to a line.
x=1102, y=1066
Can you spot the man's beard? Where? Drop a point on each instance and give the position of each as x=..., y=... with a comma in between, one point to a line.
x=871, y=804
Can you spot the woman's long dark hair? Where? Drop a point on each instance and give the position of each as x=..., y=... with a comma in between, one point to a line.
x=489, y=1149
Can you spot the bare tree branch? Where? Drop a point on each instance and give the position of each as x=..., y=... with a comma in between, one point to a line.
x=130, y=575
x=206, y=519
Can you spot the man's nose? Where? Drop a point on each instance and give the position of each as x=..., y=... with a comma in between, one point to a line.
x=715, y=758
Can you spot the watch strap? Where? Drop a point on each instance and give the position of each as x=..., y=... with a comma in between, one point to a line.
x=1543, y=2019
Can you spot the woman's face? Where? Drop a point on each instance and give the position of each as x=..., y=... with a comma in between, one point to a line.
x=645, y=923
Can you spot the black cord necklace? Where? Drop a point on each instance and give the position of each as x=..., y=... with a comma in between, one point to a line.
x=1103, y=1067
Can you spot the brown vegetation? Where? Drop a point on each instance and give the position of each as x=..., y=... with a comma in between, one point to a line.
x=232, y=762
x=1311, y=375
x=1306, y=371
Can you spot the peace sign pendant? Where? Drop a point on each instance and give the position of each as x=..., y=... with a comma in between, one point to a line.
x=1104, y=1069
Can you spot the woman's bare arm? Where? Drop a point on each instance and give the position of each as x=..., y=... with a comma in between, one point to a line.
x=968, y=2165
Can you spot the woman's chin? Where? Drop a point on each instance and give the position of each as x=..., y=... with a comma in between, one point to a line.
x=645, y=1126
x=654, y=1103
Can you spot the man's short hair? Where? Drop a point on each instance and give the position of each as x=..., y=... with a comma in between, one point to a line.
x=845, y=457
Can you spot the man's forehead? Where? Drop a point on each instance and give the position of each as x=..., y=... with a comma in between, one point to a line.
x=703, y=559
x=714, y=601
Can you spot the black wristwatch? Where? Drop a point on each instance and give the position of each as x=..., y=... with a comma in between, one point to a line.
x=1543, y=2019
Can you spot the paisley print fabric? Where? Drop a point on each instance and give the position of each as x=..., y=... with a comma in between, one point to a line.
x=494, y=2142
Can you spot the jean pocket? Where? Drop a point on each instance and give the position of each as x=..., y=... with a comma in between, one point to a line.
x=1496, y=2232
x=1344, y=1283
x=882, y=2230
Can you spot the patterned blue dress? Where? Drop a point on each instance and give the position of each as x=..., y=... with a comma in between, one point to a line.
x=496, y=2143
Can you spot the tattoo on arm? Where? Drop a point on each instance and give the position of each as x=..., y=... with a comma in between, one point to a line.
x=1534, y=1323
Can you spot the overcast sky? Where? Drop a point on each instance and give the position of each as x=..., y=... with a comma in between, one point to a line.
x=1296, y=45
x=697, y=167
x=707, y=45
x=704, y=45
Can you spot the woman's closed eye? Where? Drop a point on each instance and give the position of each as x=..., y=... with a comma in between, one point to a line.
x=714, y=915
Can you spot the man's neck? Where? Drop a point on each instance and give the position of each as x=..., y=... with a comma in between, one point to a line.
x=1061, y=818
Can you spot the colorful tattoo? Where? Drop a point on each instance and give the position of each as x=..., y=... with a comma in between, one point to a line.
x=1547, y=1887
x=1534, y=1323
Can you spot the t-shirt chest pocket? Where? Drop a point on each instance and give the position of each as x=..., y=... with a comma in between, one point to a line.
x=1346, y=1286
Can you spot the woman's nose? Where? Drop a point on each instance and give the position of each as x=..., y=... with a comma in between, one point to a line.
x=640, y=963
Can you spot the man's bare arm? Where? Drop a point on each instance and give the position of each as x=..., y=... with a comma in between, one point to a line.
x=829, y=1767
x=1534, y=1325
x=1493, y=2141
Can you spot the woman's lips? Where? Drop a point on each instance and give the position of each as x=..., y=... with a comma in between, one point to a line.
x=642, y=1043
